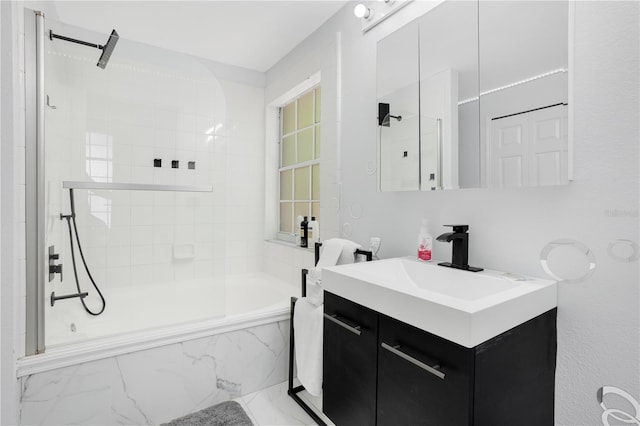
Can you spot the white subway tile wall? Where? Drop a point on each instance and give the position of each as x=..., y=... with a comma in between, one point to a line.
x=109, y=126
x=286, y=262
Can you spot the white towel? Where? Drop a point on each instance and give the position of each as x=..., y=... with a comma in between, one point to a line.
x=307, y=333
x=331, y=251
x=335, y=251
x=348, y=251
x=308, y=318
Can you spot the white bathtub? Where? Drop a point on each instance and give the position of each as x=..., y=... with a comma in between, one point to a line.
x=257, y=292
x=159, y=314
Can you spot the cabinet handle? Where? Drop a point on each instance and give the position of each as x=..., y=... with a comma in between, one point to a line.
x=433, y=369
x=334, y=318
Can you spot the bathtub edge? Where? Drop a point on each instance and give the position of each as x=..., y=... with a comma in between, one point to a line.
x=78, y=353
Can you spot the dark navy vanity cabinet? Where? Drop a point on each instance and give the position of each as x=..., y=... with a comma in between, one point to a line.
x=380, y=371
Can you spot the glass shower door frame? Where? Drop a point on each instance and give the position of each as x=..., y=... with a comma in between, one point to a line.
x=36, y=257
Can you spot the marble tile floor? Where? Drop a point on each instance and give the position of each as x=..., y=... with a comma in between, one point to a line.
x=273, y=407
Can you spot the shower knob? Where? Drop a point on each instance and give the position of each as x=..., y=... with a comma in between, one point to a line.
x=53, y=268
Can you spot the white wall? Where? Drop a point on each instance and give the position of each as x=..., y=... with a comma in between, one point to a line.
x=597, y=318
x=12, y=197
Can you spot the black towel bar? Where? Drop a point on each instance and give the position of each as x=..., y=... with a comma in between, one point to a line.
x=293, y=391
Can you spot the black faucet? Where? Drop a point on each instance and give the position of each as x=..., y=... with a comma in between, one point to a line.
x=460, y=252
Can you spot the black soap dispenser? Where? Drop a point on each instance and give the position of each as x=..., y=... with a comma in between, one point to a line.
x=304, y=232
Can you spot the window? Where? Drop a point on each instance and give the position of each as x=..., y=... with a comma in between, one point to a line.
x=299, y=171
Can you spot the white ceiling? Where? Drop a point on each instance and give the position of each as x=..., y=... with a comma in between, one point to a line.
x=248, y=34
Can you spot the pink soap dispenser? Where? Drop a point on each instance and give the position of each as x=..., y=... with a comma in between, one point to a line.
x=425, y=242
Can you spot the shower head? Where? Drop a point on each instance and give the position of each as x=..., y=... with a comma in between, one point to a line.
x=107, y=49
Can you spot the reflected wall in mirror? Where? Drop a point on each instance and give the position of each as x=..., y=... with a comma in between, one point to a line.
x=448, y=75
x=398, y=91
x=483, y=87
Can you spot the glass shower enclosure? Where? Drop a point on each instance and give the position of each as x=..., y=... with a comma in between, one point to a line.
x=130, y=209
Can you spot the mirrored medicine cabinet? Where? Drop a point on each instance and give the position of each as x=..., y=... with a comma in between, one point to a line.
x=476, y=95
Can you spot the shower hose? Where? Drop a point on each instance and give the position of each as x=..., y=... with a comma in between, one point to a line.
x=72, y=218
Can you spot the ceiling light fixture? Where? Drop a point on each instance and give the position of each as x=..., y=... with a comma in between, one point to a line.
x=374, y=12
x=362, y=11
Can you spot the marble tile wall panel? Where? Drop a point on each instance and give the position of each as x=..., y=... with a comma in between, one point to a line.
x=156, y=385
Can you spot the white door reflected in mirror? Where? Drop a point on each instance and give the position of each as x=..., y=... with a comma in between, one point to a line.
x=528, y=148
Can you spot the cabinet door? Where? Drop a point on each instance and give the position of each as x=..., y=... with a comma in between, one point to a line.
x=422, y=379
x=349, y=362
x=515, y=375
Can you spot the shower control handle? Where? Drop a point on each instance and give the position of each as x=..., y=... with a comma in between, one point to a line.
x=53, y=268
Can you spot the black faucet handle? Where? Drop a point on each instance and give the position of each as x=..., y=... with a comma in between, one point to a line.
x=459, y=228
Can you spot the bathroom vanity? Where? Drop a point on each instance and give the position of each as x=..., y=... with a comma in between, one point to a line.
x=385, y=365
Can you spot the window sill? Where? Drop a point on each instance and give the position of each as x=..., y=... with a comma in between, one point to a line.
x=290, y=245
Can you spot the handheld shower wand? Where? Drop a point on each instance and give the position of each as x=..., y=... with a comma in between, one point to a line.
x=71, y=225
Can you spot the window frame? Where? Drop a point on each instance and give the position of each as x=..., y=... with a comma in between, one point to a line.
x=315, y=160
x=277, y=97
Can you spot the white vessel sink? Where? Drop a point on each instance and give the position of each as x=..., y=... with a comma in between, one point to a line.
x=465, y=307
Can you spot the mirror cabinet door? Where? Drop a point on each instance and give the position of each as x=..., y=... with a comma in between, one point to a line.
x=398, y=129
x=524, y=92
x=449, y=120
x=475, y=94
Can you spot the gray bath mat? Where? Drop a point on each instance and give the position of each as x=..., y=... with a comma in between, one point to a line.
x=228, y=413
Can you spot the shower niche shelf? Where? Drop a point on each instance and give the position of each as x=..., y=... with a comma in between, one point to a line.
x=133, y=186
